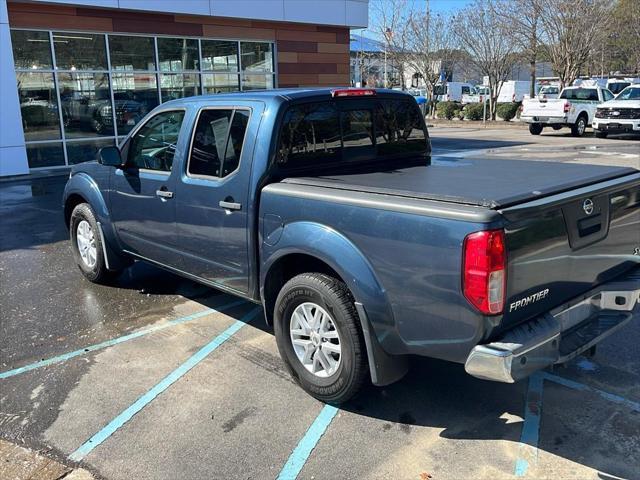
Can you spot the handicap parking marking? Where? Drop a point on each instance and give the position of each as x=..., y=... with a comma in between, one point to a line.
x=160, y=387
x=303, y=450
x=115, y=341
x=528, y=448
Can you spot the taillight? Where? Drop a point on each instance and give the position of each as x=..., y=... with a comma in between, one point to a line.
x=353, y=92
x=484, y=275
x=567, y=107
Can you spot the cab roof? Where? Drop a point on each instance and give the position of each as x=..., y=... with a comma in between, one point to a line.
x=279, y=95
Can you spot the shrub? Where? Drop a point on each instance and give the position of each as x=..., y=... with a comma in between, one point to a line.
x=474, y=111
x=507, y=111
x=447, y=110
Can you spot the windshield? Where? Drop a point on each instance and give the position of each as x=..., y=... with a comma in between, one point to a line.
x=549, y=90
x=617, y=87
x=629, y=93
x=325, y=133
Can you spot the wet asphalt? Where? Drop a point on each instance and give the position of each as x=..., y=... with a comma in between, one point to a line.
x=238, y=414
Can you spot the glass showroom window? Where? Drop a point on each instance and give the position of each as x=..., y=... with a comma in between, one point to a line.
x=220, y=56
x=257, y=65
x=82, y=91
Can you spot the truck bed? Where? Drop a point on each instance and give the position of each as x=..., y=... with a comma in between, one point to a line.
x=487, y=183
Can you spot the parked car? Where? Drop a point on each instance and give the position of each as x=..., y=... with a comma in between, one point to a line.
x=38, y=112
x=478, y=94
x=620, y=115
x=547, y=92
x=452, y=91
x=575, y=108
x=617, y=85
x=324, y=206
x=513, y=91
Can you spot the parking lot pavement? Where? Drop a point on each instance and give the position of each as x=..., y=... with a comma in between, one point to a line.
x=551, y=146
x=158, y=377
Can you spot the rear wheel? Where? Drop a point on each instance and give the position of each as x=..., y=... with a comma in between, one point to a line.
x=578, y=128
x=86, y=244
x=535, y=128
x=319, y=338
x=556, y=127
x=600, y=134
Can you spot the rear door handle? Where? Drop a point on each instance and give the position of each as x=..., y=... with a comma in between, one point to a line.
x=164, y=194
x=230, y=205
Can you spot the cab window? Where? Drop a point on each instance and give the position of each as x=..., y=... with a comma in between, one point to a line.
x=217, y=142
x=153, y=146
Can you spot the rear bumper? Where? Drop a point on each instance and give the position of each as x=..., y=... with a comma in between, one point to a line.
x=561, y=334
x=544, y=120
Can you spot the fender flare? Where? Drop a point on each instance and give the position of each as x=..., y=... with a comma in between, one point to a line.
x=86, y=187
x=374, y=309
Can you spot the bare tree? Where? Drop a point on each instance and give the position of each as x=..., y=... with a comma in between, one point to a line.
x=391, y=21
x=481, y=31
x=572, y=30
x=523, y=26
x=430, y=47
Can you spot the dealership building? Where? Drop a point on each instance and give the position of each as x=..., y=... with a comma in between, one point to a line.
x=77, y=75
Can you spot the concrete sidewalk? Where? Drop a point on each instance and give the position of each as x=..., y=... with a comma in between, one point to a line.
x=19, y=463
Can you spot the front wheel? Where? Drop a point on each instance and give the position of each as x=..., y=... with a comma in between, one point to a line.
x=86, y=244
x=535, y=128
x=319, y=338
x=600, y=134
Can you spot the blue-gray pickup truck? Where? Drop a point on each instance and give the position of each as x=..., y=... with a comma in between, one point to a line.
x=325, y=207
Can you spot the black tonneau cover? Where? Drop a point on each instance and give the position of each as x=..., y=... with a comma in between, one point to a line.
x=486, y=183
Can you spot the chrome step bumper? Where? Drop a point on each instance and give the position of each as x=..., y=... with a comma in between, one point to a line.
x=560, y=335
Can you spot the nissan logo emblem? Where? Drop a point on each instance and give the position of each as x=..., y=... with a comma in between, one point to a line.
x=587, y=206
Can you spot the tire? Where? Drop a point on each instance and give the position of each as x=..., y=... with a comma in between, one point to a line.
x=578, y=128
x=535, y=128
x=91, y=261
x=600, y=134
x=322, y=297
x=556, y=127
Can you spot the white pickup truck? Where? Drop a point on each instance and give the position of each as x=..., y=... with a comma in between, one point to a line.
x=575, y=108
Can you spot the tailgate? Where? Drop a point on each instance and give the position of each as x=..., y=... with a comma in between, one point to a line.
x=561, y=246
x=544, y=108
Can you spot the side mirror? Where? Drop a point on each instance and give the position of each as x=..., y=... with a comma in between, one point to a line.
x=110, y=156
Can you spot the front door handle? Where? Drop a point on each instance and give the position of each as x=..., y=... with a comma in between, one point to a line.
x=230, y=205
x=164, y=194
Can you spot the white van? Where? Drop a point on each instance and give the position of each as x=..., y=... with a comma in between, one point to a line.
x=513, y=91
x=452, y=91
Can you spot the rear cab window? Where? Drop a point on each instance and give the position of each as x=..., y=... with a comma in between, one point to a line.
x=348, y=132
x=589, y=94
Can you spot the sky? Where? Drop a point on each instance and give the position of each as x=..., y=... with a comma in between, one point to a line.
x=437, y=6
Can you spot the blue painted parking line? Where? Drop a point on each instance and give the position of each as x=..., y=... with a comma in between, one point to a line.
x=586, y=388
x=301, y=453
x=116, y=341
x=528, y=449
x=165, y=383
x=531, y=428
